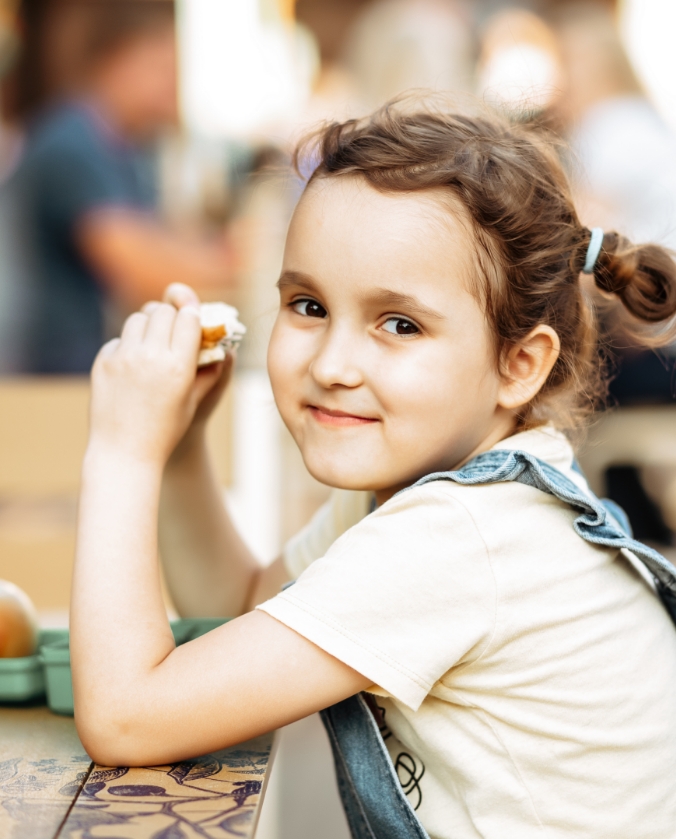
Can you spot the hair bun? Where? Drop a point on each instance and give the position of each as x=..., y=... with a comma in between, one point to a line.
x=642, y=276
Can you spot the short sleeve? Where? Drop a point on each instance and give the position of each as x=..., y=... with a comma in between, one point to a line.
x=402, y=597
x=343, y=510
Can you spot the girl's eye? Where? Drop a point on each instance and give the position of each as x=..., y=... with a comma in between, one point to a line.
x=309, y=308
x=400, y=326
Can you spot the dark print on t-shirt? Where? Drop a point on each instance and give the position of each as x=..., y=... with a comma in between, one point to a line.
x=409, y=769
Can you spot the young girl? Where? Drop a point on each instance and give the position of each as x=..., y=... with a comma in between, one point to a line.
x=432, y=342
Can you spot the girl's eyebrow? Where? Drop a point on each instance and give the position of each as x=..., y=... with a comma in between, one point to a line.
x=296, y=278
x=381, y=297
x=388, y=298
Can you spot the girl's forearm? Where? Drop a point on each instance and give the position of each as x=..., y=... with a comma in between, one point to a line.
x=119, y=628
x=208, y=568
x=132, y=686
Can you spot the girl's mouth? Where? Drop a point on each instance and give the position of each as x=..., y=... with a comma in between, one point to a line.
x=337, y=418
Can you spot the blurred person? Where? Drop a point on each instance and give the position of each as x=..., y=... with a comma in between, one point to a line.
x=625, y=150
x=519, y=68
x=624, y=163
x=8, y=50
x=397, y=45
x=83, y=196
x=9, y=153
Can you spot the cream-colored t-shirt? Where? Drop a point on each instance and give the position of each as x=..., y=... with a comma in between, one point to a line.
x=528, y=678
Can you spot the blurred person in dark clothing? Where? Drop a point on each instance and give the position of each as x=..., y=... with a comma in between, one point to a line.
x=626, y=171
x=625, y=178
x=83, y=196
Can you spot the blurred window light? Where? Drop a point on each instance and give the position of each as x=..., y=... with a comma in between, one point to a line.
x=521, y=75
x=241, y=70
x=397, y=45
x=519, y=69
x=649, y=32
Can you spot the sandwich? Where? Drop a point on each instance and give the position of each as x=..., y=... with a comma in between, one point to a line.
x=221, y=332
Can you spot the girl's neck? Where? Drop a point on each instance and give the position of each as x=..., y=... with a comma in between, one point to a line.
x=504, y=427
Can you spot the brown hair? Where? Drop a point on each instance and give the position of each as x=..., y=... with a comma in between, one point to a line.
x=531, y=244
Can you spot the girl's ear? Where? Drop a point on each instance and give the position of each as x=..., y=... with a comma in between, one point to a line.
x=526, y=366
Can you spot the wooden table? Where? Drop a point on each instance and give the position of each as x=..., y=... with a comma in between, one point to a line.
x=49, y=788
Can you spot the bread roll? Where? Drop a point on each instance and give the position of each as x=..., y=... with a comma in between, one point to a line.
x=221, y=331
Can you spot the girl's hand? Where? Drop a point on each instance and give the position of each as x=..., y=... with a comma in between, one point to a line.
x=180, y=295
x=145, y=385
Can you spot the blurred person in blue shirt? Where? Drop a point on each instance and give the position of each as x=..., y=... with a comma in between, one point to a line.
x=85, y=234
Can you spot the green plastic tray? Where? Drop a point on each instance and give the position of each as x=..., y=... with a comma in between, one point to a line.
x=23, y=679
x=55, y=658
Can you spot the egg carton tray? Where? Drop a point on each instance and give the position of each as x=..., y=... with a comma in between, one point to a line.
x=47, y=674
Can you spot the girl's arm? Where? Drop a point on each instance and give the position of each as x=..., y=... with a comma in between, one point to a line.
x=139, y=699
x=208, y=568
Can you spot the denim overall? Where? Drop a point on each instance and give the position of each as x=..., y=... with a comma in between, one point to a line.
x=374, y=802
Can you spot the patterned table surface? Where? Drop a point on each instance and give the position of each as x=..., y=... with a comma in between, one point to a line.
x=49, y=788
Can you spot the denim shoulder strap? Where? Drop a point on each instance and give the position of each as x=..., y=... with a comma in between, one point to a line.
x=599, y=522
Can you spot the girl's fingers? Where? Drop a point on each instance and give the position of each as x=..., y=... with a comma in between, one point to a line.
x=149, y=307
x=109, y=347
x=187, y=333
x=134, y=329
x=106, y=350
x=180, y=295
x=207, y=379
x=160, y=325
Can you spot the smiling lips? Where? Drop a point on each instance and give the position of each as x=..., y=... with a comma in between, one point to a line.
x=338, y=418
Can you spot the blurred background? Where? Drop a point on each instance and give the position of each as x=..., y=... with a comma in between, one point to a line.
x=144, y=142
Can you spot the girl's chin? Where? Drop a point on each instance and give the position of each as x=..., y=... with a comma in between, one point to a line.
x=339, y=477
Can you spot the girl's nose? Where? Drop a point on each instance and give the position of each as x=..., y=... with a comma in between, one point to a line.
x=338, y=361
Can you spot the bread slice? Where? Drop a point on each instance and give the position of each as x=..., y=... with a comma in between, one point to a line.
x=221, y=331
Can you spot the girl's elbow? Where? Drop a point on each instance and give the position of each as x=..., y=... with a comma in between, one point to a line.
x=109, y=737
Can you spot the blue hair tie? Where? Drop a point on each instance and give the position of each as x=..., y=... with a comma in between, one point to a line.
x=593, y=250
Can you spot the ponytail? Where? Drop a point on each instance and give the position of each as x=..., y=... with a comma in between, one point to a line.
x=643, y=277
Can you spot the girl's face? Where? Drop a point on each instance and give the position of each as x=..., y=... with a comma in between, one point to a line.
x=381, y=360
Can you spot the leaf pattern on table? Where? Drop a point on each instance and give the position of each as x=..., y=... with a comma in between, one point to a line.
x=210, y=797
x=174, y=831
x=47, y=766
x=137, y=790
x=106, y=775
x=195, y=798
x=249, y=761
x=8, y=768
x=35, y=800
x=90, y=790
x=73, y=788
x=244, y=789
x=238, y=824
x=83, y=818
x=70, y=790
x=23, y=784
x=193, y=770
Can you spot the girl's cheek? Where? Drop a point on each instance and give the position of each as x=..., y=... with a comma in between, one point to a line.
x=275, y=365
x=285, y=363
